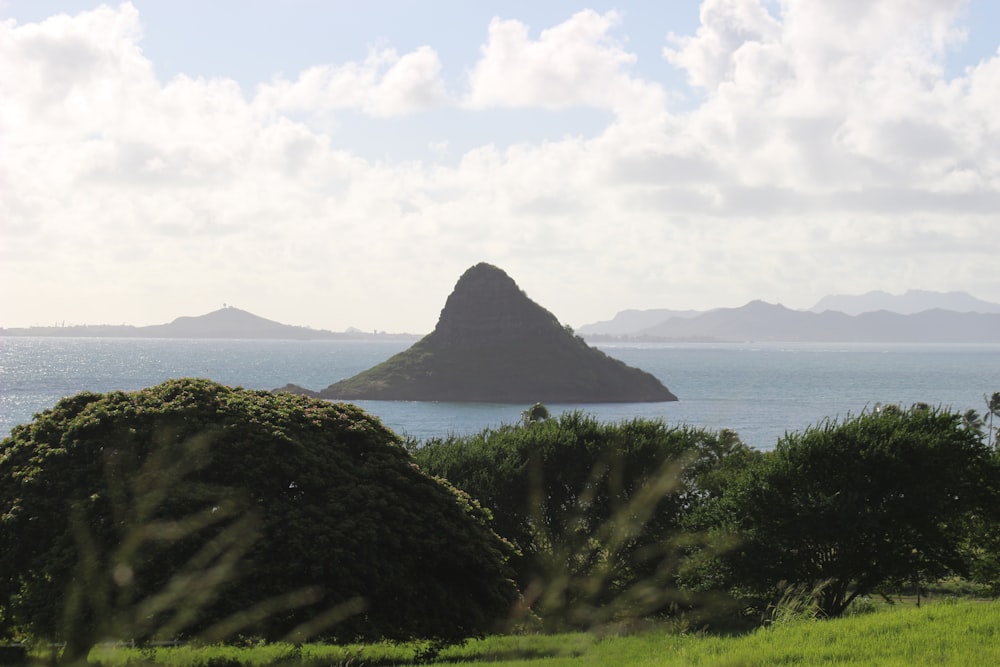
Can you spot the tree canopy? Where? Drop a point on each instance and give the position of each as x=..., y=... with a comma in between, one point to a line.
x=848, y=507
x=596, y=509
x=192, y=507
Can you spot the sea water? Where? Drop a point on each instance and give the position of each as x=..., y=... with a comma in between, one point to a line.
x=761, y=391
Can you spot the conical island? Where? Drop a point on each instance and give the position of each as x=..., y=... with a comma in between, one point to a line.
x=493, y=344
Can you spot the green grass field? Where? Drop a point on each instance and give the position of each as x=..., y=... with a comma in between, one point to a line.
x=944, y=633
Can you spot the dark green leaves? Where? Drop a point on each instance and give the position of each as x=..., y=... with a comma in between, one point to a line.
x=191, y=508
x=874, y=501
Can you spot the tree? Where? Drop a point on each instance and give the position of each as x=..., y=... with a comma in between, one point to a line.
x=846, y=508
x=191, y=508
x=993, y=410
x=973, y=421
x=595, y=510
x=536, y=413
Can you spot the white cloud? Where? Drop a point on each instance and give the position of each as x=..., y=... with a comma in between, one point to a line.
x=828, y=153
x=384, y=84
x=576, y=63
x=730, y=31
x=67, y=75
x=828, y=96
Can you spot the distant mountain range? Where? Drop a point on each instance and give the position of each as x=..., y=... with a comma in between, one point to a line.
x=953, y=317
x=916, y=317
x=629, y=322
x=910, y=303
x=231, y=323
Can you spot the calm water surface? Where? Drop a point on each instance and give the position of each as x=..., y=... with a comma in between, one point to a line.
x=759, y=390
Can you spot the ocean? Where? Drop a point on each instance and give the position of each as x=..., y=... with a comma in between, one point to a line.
x=761, y=391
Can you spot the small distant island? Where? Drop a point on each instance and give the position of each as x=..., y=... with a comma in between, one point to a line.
x=225, y=323
x=493, y=344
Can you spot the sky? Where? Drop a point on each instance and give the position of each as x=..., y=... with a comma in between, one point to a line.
x=340, y=164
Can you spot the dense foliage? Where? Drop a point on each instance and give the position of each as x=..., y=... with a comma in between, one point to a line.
x=844, y=509
x=597, y=510
x=192, y=508
x=632, y=518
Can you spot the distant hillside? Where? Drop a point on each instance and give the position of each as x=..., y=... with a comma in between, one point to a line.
x=874, y=317
x=760, y=321
x=629, y=321
x=225, y=323
x=912, y=302
x=493, y=344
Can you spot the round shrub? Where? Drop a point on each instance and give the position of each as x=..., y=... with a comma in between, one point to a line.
x=191, y=508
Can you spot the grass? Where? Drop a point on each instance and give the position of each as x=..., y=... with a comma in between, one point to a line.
x=943, y=633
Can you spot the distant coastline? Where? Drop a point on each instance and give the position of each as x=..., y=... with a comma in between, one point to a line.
x=125, y=331
x=759, y=322
x=226, y=323
x=915, y=317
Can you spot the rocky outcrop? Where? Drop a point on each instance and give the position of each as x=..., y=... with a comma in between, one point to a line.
x=494, y=344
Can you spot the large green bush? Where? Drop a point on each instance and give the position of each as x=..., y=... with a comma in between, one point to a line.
x=847, y=508
x=192, y=507
x=596, y=510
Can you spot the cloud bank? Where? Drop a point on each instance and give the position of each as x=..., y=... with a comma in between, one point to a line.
x=820, y=149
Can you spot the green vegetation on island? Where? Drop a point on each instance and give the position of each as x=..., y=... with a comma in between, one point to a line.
x=493, y=344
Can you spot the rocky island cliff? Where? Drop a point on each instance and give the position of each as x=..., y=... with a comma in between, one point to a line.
x=493, y=344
